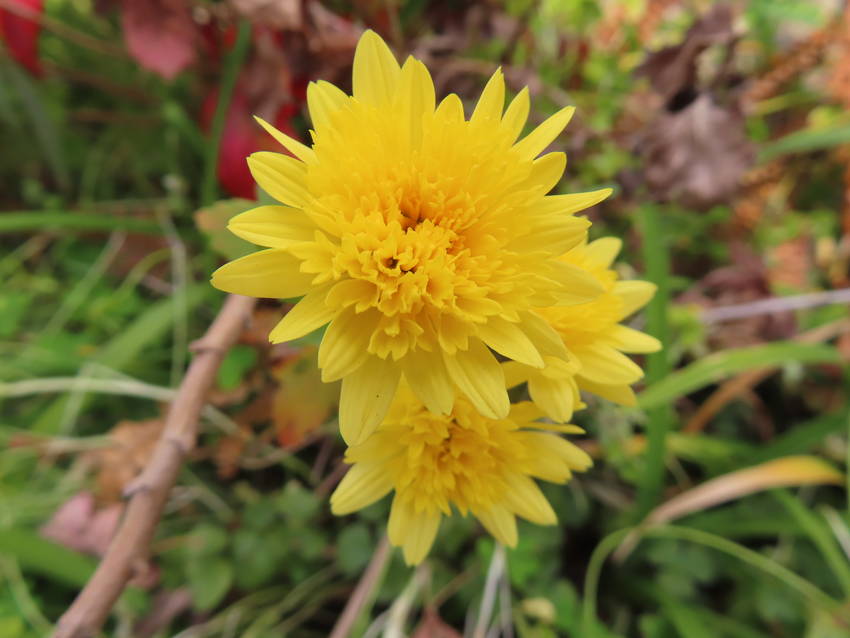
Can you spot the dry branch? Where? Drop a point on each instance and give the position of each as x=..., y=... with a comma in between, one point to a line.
x=149, y=492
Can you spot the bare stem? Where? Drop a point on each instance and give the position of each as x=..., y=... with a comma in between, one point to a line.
x=149, y=492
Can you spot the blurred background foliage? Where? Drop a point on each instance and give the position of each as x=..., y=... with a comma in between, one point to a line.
x=724, y=129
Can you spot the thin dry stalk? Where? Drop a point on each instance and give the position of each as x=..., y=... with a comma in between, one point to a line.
x=363, y=591
x=149, y=492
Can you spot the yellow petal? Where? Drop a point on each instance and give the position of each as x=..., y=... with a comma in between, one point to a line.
x=500, y=523
x=525, y=499
x=533, y=144
x=359, y=293
x=577, y=285
x=451, y=108
x=416, y=97
x=492, y=100
x=516, y=373
x=427, y=376
x=516, y=114
x=360, y=487
x=269, y=273
x=323, y=100
x=548, y=451
x=576, y=458
x=306, y=316
x=281, y=176
x=344, y=346
x=635, y=295
x=413, y=531
x=627, y=339
x=273, y=226
x=479, y=376
x=299, y=150
x=400, y=521
x=621, y=394
x=376, y=72
x=508, y=339
x=365, y=398
x=603, y=364
x=572, y=202
x=544, y=337
x=554, y=233
x=603, y=251
x=547, y=171
x=557, y=397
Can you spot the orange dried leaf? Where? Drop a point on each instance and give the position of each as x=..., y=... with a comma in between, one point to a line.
x=132, y=443
x=302, y=401
x=790, y=471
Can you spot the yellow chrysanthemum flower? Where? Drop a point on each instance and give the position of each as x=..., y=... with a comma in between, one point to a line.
x=426, y=240
x=478, y=465
x=593, y=338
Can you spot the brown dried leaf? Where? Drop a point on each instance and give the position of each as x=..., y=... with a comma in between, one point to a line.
x=278, y=14
x=302, y=401
x=432, y=626
x=697, y=155
x=132, y=443
x=673, y=69
x=791, y=262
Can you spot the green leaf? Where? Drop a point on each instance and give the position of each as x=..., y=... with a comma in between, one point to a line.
x=720, y=365
x=258, y=559
x=354, y=547
x=209, y=580
x=208, y=539
x=296, y=503
x=238, y=361
x=40, y=556
x=212, y=222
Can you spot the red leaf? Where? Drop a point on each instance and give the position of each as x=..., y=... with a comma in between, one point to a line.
x=241, y=137
x=20, y=31
x=160, y=34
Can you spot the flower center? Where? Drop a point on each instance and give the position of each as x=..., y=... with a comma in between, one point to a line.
x=458, y=459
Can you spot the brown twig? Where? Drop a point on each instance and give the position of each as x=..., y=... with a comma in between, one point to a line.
x=363, y=591
x=149, y=492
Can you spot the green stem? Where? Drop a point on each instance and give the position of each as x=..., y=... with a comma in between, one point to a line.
x=232, y=65
x=657, y=262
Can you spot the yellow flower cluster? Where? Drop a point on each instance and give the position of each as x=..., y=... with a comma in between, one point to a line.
x=446, y=274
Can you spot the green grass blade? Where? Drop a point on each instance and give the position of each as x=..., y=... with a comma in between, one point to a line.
x=40, y=556
x=228, y=82
x=34, y=221
x=805, y=141
x=720, y=365
x=126, y=347
x=657, y=260
x=821, y=536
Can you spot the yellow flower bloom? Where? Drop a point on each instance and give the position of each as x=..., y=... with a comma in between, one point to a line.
x=424, y=239
x=593, y=339
x=478, y=465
